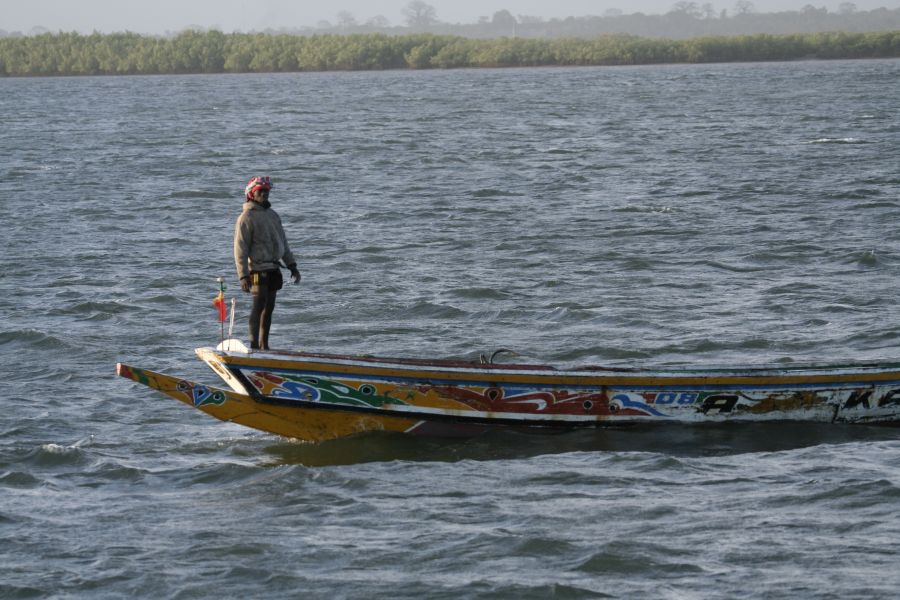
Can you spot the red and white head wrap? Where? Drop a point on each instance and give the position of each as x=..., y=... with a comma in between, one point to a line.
x=257, y=183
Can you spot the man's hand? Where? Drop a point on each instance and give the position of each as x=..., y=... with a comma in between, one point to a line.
x=295, y=274
x=245, y=283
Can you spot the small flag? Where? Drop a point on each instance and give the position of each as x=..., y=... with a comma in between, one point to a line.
x=219, y=302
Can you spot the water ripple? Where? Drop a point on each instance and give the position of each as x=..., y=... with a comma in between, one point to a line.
x=623, y=217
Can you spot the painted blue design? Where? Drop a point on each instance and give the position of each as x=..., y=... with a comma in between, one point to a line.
x=316, y=389
x=510, y=392
x=623, y=401
x=201, y=395
x=673, y=398
x=293, y=390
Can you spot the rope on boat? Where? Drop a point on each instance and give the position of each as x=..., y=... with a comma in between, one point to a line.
x=489, y=360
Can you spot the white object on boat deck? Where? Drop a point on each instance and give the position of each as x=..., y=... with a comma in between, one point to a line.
x=233, y=345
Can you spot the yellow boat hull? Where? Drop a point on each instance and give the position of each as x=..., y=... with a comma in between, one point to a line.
x=318, y=397
x=308, y=424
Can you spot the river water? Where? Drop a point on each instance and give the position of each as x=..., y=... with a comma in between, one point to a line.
x=634, y=216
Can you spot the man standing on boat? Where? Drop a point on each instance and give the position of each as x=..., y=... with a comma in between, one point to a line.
x=260, y=248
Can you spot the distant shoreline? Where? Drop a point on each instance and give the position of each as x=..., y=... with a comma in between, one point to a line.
x=212, y=52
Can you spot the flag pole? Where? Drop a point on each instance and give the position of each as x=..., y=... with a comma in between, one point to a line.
x=231, y=325
x=222, y=299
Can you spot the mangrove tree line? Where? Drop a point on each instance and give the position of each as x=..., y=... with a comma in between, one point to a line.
x=217, y=52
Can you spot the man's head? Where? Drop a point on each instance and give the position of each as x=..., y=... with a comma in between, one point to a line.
x=257, y=189
x=261, y=195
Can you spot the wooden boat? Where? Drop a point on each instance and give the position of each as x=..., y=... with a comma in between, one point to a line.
x=316, y=397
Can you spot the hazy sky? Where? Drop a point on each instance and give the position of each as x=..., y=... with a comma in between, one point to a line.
x=160, y=16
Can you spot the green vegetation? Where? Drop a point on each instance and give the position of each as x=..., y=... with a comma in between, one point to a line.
x=216, y=52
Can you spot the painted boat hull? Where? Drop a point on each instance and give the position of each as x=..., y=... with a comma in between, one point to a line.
x=318, y=397
x=289, y=421
x=445, y=393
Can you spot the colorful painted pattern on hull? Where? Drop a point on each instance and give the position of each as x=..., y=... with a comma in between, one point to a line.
x=313, y=425
x=872, y=396
x=310, y=399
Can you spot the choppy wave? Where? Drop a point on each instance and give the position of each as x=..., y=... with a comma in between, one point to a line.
x=31, y=338
x=845, y=140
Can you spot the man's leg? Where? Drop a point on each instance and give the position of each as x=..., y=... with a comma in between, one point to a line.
x=255, y=313
x=266, y=319
x=261, y=293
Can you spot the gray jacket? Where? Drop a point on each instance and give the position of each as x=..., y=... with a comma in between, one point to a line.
x=259, y=241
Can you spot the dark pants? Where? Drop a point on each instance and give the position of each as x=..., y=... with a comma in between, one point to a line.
x=265, y=286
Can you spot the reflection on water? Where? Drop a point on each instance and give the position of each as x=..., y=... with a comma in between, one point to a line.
x=675, y=439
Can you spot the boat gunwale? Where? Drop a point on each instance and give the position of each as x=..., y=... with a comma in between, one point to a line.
x=353, y=366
